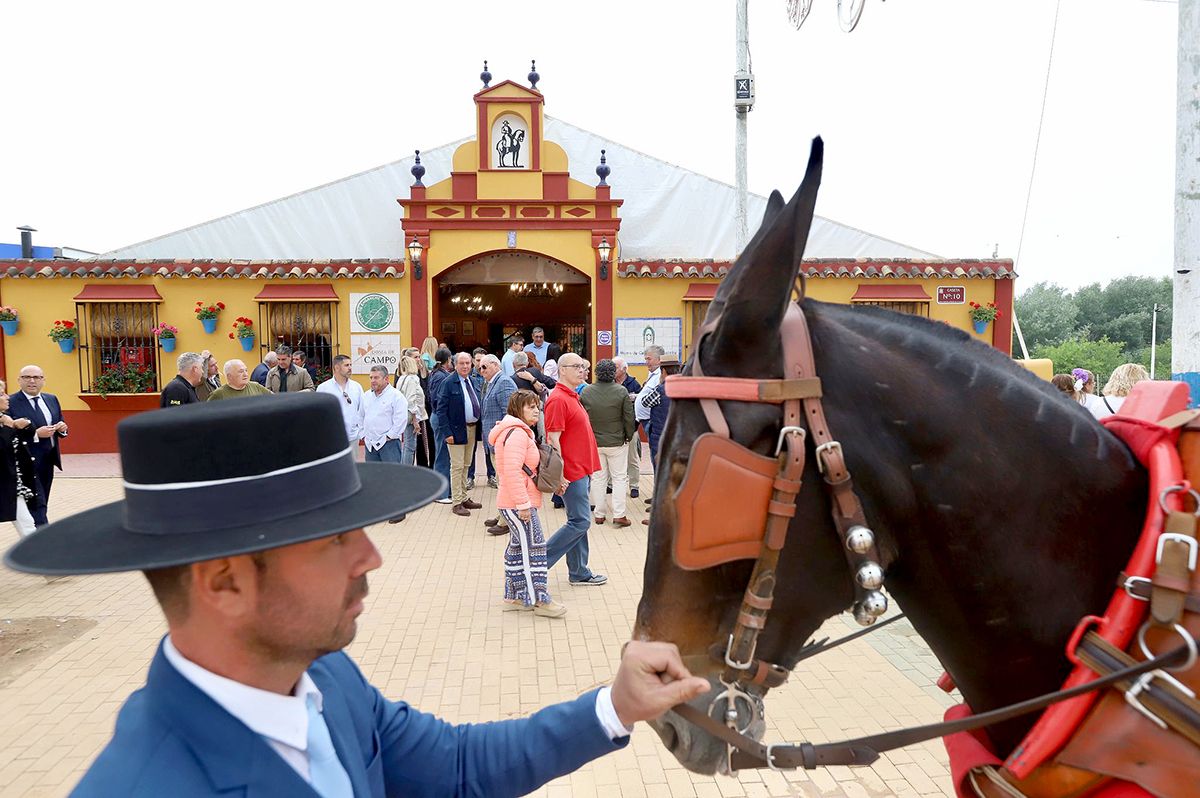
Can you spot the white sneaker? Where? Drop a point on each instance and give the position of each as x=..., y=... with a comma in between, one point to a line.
x=445, y=501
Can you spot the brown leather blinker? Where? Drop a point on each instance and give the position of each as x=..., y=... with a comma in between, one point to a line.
x=721, y=507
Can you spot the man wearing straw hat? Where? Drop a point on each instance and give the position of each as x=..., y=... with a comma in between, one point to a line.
x=250, y=692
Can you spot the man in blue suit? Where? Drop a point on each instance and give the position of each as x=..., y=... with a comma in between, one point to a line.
x=459, y=411
x=43, y=411
x=250, y=693
x=499, y=388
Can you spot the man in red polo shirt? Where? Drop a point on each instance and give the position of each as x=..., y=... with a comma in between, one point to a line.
x=570, y=432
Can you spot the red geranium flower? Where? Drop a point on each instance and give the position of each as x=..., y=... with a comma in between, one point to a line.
x=68, y=324
x=231, y=336
x=221, y=305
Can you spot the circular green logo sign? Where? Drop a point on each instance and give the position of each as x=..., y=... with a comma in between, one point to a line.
x=374, y=312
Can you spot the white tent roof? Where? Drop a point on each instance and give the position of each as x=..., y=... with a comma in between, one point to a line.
x=669, y=213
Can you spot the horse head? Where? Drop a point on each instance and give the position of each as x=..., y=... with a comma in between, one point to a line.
x=976, y=535
x=694, y=608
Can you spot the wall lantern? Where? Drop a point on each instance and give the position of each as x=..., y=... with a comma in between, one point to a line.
x=414, y=254
x=605, y=250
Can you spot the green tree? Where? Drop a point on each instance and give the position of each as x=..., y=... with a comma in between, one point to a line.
x=1047, y=314
x=1123, y=310
x=1099, y=357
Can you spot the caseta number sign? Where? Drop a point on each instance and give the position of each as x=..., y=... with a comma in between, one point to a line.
x=951, y=295
x=374, y=313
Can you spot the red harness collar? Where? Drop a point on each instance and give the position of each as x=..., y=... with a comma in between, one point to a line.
x=1155, y=448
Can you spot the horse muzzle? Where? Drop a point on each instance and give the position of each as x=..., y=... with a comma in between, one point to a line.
x=695, y=748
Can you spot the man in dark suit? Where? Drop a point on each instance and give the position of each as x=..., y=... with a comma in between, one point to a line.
x=250, y=692
x=459, y=407
x=43, y=411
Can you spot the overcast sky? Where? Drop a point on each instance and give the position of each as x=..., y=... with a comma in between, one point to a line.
x=127, y=120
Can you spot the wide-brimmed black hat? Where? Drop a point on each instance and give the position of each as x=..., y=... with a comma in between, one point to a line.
x=223, y=478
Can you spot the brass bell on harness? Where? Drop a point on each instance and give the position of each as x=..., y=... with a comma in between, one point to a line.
x=875, y=604
x=862, y=617
x=870, y=576
x=859, y=539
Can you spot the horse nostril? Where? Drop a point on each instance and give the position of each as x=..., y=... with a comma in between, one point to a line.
x=670, y=737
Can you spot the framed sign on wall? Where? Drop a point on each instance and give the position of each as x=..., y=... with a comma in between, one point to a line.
x=635, y=334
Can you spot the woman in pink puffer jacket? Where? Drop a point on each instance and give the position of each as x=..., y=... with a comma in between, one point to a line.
x=525, y=572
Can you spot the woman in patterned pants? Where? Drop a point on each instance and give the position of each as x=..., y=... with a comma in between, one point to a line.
x=518, y=500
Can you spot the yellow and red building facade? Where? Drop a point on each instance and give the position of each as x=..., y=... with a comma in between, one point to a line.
x=507, y=241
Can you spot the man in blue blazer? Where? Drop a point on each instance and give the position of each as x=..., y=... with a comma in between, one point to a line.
x=459, y=409
x=250, y=693
x=499, y=388
x=44, y=412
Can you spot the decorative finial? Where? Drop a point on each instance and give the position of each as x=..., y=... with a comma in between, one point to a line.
x=485, y=76
x=602, y=170
x=418, y=171
x=534, y=77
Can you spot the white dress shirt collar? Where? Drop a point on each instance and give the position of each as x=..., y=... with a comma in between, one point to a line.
x=282, y=718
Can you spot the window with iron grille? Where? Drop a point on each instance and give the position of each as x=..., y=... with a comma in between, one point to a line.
x=117, y=349
x=911, y=308
x=573, y=337
x=306, y=326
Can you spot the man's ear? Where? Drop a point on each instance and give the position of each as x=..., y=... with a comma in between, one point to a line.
x=227, y=586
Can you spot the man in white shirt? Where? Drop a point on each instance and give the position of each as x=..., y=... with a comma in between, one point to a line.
x=45, y=414
x=544, y=350
x=384, y=418
x=383, y=421
x=515, y=344
x=654, y=354
x=349, y=395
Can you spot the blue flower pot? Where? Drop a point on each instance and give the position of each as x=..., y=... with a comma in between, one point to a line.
x=167, y=344
x=246, y=342
x=9, y=327
x=980, y=327
x=67, y=345
x=210, y=325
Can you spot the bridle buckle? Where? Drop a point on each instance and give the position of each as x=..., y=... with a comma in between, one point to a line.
x=829, y=446
x=739, y=666
x=786, y=431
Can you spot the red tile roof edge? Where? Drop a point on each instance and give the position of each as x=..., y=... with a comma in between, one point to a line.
x=321, y=269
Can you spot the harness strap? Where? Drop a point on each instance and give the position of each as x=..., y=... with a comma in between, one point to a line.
x=751, y=753
x=1141, y=589
x=1176, y=561
x=737, y=389
x=1154, y=695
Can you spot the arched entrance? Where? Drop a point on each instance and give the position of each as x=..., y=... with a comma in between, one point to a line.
x=484, y=300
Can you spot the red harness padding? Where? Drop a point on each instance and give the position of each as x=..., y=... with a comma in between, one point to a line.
x=1155, y=448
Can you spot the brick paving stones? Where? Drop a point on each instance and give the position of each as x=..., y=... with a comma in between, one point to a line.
x=433, y=635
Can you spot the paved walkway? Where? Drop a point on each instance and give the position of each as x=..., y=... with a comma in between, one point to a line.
x=434, y=635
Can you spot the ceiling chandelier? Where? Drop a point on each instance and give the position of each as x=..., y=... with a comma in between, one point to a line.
x=535, y=290
x=471, y=304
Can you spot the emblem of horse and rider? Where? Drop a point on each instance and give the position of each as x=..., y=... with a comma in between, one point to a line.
x=509, y=144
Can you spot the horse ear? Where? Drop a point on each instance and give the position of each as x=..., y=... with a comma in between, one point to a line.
x=755, y=295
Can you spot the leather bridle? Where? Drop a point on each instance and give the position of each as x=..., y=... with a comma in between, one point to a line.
x=803, y=418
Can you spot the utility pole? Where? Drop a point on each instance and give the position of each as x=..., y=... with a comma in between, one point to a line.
x=1185, y=319
x=1153, y=338
x=743, y=102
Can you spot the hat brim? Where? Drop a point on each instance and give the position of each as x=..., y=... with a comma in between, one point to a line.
x=96, y=541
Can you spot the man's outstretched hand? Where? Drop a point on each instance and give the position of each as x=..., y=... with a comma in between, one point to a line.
x=651, y=680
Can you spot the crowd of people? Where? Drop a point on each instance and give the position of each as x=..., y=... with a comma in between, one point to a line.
x=1080, y=386
x=438, y=406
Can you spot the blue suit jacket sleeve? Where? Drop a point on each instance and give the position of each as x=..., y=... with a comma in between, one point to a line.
x=425, y=756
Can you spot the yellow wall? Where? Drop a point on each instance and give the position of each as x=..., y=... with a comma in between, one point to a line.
x=42, y=301
x=663, y=296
